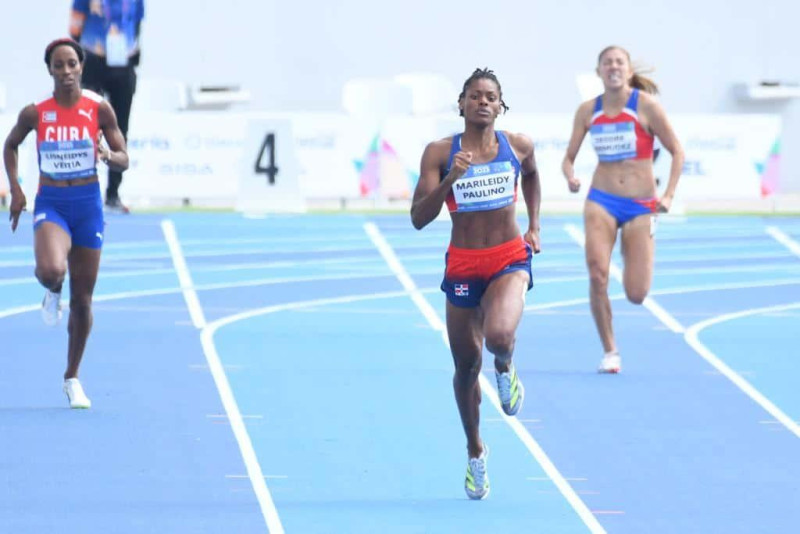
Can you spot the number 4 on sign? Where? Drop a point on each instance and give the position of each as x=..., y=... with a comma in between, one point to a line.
x=270, y=170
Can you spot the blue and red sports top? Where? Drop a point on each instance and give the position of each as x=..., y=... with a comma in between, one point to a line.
x=485, y=186
x=620, y=137
x=66, y=137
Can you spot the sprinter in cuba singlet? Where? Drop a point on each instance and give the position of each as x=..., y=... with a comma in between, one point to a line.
x=68, y=211
x=623, y=124
x=477, y=174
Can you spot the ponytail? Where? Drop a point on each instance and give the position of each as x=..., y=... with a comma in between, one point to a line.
x=639, y=81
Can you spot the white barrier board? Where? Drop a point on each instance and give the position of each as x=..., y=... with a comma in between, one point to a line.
x=205, y=155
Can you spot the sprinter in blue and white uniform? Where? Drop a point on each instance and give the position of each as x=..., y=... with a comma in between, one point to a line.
x=623, y=123
x=488, y=263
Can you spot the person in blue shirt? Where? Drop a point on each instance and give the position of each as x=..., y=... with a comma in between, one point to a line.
x=108, y=31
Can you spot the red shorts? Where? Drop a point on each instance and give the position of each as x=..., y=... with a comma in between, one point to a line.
x=469, y=271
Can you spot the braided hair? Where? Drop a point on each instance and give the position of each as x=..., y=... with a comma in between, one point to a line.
x=481, y=74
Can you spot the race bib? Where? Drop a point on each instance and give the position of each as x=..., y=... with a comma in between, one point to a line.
x=615, y=141
x=116, y=50
x=487, y=186
x=67, y=160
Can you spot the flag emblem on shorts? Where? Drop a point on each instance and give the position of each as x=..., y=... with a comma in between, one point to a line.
x=49, y=116
x=462, y=290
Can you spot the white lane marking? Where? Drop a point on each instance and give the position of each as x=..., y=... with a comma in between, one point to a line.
x=265, y=476
x=267, y=506
x=155, y=292
x=557, y=304
x=692, y=338
x=519, y=429
x=184, y=276
x=149, y=258
x=225, y=416
x=655, y=308
x=781, y=237
x=268, y=509
x=546, y=479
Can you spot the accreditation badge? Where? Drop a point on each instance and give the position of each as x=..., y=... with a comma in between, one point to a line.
x=116, y=50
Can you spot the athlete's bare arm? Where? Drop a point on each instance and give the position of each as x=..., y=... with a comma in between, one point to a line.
x=430, y=193
x=660, y=126
x=579, y=128
x=116, y=154
x=531, y=185
x=26, y=122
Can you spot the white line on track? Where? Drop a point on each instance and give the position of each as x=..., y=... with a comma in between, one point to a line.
x=781, y=237
x=692, y=338
x=209, y=329
x=184, y=276
x=265, y=476
x=267, y=506
x=144, y=293
x=655, y=308
x=224, y=416
x=725, y=287
x=546, y=479
x=349, y=263
x=123, y=259
x=231, y=408
x=519, y=429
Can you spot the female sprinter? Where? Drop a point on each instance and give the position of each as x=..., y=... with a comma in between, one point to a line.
x=623, y=123
x=68, y=213
x=488, y=262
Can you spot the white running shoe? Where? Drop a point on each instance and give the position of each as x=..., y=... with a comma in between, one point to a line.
x=610, y=364
x=510, y=390
x=51, y=308
x=77, y=398
x=477, y=482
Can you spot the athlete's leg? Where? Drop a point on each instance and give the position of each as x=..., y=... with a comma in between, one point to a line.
x=503, y=303
x=51, y=244
x=466, y=344
x=638, y=252
x=84, y=264
x=601, y=233
x=502, y=309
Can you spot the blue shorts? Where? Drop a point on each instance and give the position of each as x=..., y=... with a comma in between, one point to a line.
x=468, y=272
x=623, y=209
x=78, y=209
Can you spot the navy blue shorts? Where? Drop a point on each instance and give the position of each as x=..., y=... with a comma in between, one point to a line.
x=77, y=209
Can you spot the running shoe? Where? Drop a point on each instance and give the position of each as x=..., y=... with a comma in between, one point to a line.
x=477, y=482
x=51, y=308
x=510, y=390
x=610, y=364
x=77, y=398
